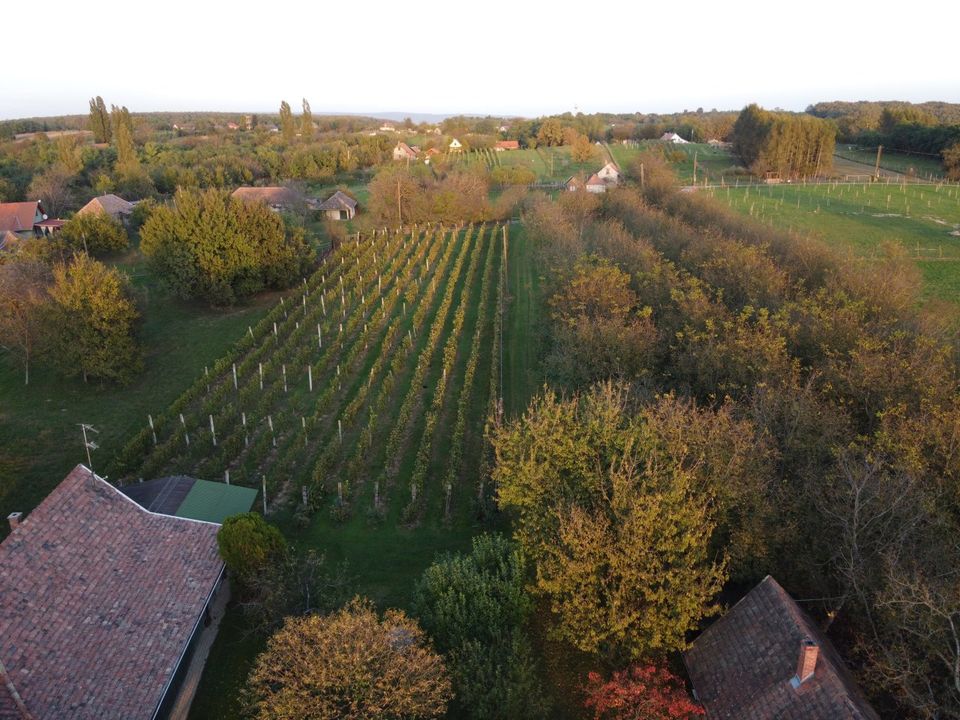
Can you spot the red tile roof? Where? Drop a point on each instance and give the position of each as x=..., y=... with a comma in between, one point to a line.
x=18, y=216
x=98, y=600
x=595, y=180
x=741, y=667
x=508, y=144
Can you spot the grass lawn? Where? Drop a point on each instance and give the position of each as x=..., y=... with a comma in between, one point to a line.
x=712, y=162
x=921, y=218
x=39, y=434
x=927, y=167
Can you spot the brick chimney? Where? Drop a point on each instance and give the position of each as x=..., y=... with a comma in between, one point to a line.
x=807, y=663
x=14, y=519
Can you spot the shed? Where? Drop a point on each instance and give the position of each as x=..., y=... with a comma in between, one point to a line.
x=339, y=206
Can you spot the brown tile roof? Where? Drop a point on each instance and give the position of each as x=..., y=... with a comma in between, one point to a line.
x=741, y=667
x=595, y=180
x=110, y=204
x=405, y=150
x=274, y=196
x=98, y=600
x=18, y=216
x=338, y=201
x=508, y=144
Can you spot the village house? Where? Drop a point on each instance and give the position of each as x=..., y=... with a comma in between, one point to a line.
x=102, y=603
x=507, y=145
x=609, y=173
x=388, y=127
x=404, y=152
x=596, y=184
x=455, y=146
x=672, y=137
x=21, y=217
x=767, y=660
x=113, y=205
x=574, y=184
x=276, y=198
x=339, y=206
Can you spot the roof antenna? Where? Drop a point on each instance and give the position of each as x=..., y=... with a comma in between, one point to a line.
x=89, y=444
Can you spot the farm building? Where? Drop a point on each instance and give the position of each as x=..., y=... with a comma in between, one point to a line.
x=101, y=601
x=766, y=659
x=404, y=152
x=277, y=198
x=574, y=184
x=188, y=497
x=339, y=206
x=507, y=145
x=455, y=145
x=672, y=137
x=110, y=204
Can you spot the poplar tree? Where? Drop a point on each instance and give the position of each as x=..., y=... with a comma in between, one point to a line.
x=306, y=122
x=99, y=121
x=288, y=126
x=127, y=161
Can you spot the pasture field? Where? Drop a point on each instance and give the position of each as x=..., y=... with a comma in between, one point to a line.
x=549, y=164
x=713, y=163
x=923, y=218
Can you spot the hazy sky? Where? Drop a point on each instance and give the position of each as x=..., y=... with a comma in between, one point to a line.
x=492, y=57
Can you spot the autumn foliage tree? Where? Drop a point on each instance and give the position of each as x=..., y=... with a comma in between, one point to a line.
x=96, y=319
x=96, y=233
x=641, y=692
x=349, y=665
x=23, y=287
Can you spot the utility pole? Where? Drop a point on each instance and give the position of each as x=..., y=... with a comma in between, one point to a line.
x=695, y=166
x=876, y=171
x=88, y=443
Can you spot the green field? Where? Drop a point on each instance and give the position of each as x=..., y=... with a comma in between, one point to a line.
x=926, y=167
x=713, y=163
x=923, y=218
x=39, y=424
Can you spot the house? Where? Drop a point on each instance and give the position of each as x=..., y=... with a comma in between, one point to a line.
x=101, y=602
x=48, y=227
x=20, y=217
x=609, y=173
x=672, y=137
x=766, y=659
x=404, y=152
x=339, y=206
x=507, y=145
x=455, y=145
x=277, y=198
x=8, y=240
x=110, y=204
x=574, y=184
x=387, y=127
x=596, y=184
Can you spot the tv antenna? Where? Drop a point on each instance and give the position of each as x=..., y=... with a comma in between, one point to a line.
x=88, y=443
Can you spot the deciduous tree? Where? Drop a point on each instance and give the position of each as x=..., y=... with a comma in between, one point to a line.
x=95, y=320
x=23, y=289
x=350, y=665
x=288, y=126
x=96, y=233
x=641, y=692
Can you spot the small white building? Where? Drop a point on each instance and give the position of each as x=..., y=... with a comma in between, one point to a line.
x=596, y=184
x=609, y=173
x=404, y=152
x=672, y=137
x=455, y=145
x=339, y=206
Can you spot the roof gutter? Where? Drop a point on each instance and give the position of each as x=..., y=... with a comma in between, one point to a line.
x=186, y=645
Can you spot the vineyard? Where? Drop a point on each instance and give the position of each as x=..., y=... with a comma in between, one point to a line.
x=362, y=393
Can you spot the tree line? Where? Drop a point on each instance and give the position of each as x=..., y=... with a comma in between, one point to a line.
x=788, y=144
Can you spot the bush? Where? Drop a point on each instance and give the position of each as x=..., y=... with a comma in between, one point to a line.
x=95, y=232
x=247, y=544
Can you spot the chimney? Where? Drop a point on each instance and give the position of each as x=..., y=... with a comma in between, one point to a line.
x=14, y=519
x=807, y=664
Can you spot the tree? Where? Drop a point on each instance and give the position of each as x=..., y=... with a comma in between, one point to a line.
x=95, y=317
x=288, y=126
x=349, y=665
x=23, y=287
x=306, y=122
x=581, y=149
x=475, y=608
x=52, y=188
x=625, y=516
x=951, y=161
x=641, y=692
x=249, y=545
x=127, y=161
x=211, y=246
x=96, y=233
x=550, y=132
x=99, y=121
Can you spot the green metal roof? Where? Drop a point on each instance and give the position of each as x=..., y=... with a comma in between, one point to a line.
x=216, y=501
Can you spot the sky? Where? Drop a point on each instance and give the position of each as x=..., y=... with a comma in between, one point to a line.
x=494, y=57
